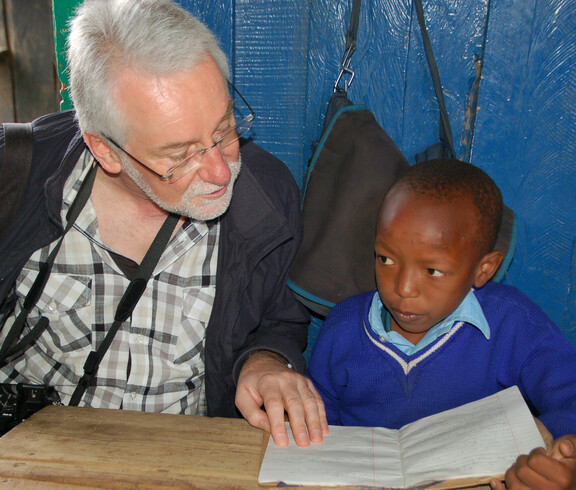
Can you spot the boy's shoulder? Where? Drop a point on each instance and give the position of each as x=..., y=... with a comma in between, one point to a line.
x=343, y=326
x=353, y=304
x=506, y=301
x=505, y=293
x=349, y=312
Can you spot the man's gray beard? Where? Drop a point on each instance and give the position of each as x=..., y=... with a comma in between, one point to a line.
x=210, y=209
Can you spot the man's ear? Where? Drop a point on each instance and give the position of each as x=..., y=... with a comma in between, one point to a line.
x=106, y=156
x=487, y=267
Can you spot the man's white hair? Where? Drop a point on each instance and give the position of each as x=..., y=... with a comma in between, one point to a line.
x=156, y=36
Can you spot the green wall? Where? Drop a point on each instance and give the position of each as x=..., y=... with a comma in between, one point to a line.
x=62, y=11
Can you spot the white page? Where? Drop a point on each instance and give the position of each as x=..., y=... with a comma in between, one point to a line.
x=348, y=456
x=473, y=440
x=482, y=438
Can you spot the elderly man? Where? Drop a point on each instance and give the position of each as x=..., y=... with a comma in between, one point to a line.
x=154, y=145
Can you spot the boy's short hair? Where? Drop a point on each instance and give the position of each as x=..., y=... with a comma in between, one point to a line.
x=447, y=179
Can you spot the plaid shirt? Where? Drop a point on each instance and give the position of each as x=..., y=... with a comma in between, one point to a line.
x=156, y=361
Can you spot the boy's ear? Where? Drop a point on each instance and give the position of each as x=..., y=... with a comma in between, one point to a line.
x=106, y=156
x=487, y=267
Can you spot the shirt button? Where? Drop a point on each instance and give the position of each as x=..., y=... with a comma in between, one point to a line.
x=133, y=395
x=52, y=305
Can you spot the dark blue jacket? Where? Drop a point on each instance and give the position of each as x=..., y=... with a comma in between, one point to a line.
x=261, y=231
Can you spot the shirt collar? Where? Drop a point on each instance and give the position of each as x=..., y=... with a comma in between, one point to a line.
x=468, y=311
x=191, y=232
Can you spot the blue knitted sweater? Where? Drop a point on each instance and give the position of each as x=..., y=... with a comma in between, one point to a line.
x=364, y=381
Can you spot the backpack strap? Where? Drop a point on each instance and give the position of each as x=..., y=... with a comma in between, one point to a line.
x=508, y=233
x=18, y=147
x=446, y=146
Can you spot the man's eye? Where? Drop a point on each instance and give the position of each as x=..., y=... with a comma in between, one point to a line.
x=221, y=133
x=178, y=158
x=435, y=272
x=184, y=155
x=385, y=260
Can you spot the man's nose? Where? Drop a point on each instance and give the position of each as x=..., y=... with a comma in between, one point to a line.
x=214, y=168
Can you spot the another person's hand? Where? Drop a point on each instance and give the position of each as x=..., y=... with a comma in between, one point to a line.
x=267, y=388
x=538, y=470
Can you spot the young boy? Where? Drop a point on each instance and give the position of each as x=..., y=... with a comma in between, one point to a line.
x=438, y=334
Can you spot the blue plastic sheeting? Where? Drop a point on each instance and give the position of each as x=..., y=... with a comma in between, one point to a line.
x=508, y=70
x=267, y=43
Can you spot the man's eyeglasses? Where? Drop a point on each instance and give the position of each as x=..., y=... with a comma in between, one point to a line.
x=223, y=138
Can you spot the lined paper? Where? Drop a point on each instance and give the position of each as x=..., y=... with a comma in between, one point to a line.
x=479, y=439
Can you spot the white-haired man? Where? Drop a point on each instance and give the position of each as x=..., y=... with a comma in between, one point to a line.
x=156, y=133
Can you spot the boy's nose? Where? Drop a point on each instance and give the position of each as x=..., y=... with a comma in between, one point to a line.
x=406, y=284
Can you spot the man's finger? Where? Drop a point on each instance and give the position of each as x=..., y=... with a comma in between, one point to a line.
x=321, y=410
x=250, y=406
x=307, y=415
x=274, y=405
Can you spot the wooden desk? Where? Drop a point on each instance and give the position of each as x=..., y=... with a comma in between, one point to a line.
x=71, y=447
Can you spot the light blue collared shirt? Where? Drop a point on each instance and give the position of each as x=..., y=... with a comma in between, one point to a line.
x=468, y=311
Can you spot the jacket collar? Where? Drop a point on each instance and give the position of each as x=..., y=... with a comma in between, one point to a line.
x=55, y=184
x=252, y=226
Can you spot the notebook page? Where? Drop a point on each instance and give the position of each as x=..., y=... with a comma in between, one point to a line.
x=482, y=438
x=357, y=456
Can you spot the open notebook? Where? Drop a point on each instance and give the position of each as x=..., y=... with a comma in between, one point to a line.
x=460, y=447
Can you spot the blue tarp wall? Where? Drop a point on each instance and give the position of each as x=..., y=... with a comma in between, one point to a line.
x=521, y=127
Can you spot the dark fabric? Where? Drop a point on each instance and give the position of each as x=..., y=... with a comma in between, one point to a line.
x=126, y=265
x=14, y=175
x=506, y=241
x=253, y=307
x=338, y=101
x=353, y=167
x=437, y=150
x=58, y=145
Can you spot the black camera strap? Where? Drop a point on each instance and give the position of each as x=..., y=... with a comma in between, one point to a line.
x=127, y=303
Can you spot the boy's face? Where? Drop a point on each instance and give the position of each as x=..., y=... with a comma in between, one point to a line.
x=426, y=259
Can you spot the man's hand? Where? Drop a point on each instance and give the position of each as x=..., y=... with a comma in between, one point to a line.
x=538, y=470
x=266, y=381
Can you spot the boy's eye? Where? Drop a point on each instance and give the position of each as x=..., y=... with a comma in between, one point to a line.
x=435, y=272
x=385, y=260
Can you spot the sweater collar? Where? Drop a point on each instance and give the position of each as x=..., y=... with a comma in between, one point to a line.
x=468, y=311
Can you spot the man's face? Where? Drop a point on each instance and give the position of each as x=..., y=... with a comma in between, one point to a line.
x=168, y=118
x=426, y=259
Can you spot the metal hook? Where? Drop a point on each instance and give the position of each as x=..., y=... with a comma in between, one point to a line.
x=346, y=69
x=348, y=54
x=346, y=82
